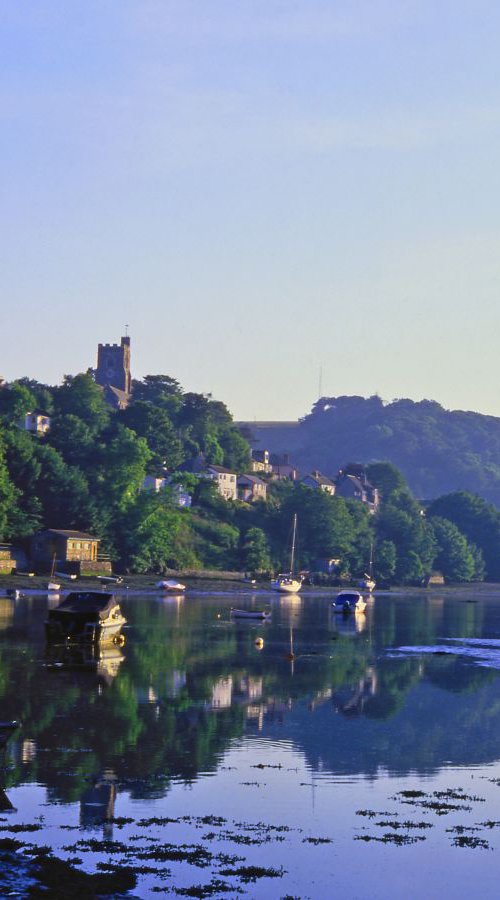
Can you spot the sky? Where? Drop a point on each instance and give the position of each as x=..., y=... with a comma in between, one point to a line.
x=262, y=190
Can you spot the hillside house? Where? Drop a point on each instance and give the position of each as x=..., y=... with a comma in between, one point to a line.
x=35, y=422
x=352, y=483
x=319, y=482
x=282, y=469
x=224, y=479
x=157, y=483
x=261, y=461
x=251, y=488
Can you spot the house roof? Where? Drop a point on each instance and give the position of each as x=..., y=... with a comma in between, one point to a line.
x=220, y=469
x=320, y=479
x=71, y=534
x=252, y=478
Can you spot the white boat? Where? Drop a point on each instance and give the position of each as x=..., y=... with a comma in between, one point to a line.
x=175, y=586
x=85, y=616
x=288, y=583
x=349, y=601
x=65, y=576
x=368, y=583
x=250, y=613
x=53, y=587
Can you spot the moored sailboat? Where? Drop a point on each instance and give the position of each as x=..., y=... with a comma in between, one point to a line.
x=288, y=583
x=368, y=583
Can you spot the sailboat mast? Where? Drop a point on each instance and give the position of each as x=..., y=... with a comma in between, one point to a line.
x=294, y=534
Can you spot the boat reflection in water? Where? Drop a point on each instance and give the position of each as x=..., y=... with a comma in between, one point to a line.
x=97, y=805
x=104, y=660
x=89, y=616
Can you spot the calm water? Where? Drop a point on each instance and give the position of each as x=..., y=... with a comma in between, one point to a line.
x=346, y=757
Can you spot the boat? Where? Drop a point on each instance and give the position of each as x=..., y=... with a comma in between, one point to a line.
x=85, y=616
x=53, y=587
x=287, y=583
x=110, y=579
x=349, y=601
x=175, y=586
x=250, y=613
x=368, y=583
x=65, y=576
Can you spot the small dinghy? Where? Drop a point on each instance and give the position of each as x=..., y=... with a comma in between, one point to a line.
x=250, y=613
x=349, y=601
x=175, y=586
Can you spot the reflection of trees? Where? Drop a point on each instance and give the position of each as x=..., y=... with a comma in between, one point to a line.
x=189, y=683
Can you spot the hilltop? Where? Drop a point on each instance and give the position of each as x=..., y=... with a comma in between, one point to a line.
x=437, y=450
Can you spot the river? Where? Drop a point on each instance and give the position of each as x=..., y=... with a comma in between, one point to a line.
x=311, y=756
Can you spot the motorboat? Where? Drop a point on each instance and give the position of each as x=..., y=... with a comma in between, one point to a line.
x=349, y=601
x=250, y=613
x=85, y=616
x=175, y=586
x=288, y=583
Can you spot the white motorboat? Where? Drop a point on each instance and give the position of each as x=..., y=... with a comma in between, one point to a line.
x=288, y=583
x=349, y=601
x=85, y=616
x=174, y=586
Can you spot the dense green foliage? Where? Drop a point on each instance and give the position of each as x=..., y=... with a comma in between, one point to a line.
x=88, y=472
x=437, y=450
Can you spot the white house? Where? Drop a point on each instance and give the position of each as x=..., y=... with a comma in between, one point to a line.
x=35, y=422
x=225, y=481
x=317, y=481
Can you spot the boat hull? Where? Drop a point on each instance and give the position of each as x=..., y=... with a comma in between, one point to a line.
x=286, y=585
x=349, y=602
x=250, y=614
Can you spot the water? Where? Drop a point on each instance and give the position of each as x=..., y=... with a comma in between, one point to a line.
x=349, y=757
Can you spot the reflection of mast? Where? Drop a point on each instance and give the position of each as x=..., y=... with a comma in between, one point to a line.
x=291, y=654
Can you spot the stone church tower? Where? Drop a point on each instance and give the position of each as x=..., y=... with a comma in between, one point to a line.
x=113, y=372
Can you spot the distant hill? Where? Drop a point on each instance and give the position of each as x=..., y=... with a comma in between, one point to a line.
x=437, y=450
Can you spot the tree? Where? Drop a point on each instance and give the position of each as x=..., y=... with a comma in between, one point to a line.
x=80, y=396
x=154, y=424
x=385, y=561
x=255, y=551
x=156, y=537
x=387, y=478
x=454, y=558
x=8, y=496
x=119, y=469
x=478, y=520
x=15, y=401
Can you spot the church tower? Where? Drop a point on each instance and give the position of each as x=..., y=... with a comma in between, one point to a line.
x=113, y=369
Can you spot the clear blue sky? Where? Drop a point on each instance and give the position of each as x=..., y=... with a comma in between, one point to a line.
x=259, y=188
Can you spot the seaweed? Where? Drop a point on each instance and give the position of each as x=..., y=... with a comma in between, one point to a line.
x=248, y=874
